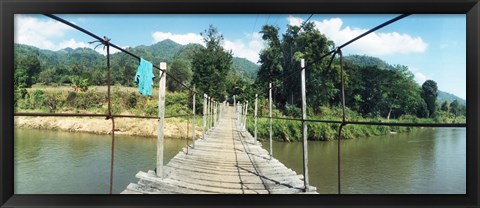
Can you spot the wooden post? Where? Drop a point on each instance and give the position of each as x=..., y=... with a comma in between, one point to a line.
x=204, y=115
x=214, y=113
x=234, y=107
x=304, y=125
x=240, y=116
x=256, y=103
x=193, y=119
x=246, y=112
x=161, y=120
x=270, y=109
x=211, y=113
x=209, y=103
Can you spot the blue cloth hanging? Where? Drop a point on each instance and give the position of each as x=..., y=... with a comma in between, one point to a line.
x=144, y=77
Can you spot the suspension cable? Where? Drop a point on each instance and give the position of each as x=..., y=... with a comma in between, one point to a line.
x=113, y=45
x=349, y=42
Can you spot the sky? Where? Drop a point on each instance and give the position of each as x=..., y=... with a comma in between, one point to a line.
x=432, y=46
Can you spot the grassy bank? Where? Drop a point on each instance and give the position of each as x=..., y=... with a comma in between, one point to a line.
x=124, y=100
x=291, y=131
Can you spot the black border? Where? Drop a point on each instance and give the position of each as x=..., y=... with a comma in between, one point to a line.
x=10, y=7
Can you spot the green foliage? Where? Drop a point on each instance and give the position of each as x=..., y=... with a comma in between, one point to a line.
x=455, y=108
x=429, y=95
x=271, y=59
x=27, y=67
x=182, y=72
x=445, y=106
x=79, y=84
x=211, y=65
x=245, y=67
x=445, y=96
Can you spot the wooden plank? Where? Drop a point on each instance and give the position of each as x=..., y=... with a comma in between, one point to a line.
x=227, y=161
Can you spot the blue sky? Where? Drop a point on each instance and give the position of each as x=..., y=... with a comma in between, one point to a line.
x=432, y=46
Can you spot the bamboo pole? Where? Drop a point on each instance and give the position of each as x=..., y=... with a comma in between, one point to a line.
x=304, y=127
x=161, y=120
x=245, y=116
x=270, y=109
x=193, y=118
x=204, y=115
x=256, y=103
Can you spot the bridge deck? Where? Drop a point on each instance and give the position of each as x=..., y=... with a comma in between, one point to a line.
x=227, y=161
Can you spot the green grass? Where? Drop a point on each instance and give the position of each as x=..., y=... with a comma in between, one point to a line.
x=291, y=131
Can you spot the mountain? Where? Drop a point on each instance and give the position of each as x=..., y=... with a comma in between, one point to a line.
x=245, y=66
x=442, y=96
x=364, y=61
x=165, y=50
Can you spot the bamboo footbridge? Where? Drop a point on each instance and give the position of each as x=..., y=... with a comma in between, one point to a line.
x=227, y=161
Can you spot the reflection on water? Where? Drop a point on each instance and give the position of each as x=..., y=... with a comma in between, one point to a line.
x=424, y=161
x=59, y=162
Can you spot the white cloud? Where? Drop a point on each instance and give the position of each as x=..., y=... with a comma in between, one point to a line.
x=45, y=34
x=178, y=38
x=247, y=47
x=72, y=43
x=294, y=21
x=249, y=50
x=35, y=32
x=420, y=78
x=374, y=44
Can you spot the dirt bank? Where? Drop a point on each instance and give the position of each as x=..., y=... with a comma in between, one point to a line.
x=174, y=127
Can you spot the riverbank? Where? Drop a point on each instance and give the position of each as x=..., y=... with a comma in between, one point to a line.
x=174, y=127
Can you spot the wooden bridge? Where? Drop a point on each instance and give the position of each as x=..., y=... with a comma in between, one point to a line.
x=228, y=160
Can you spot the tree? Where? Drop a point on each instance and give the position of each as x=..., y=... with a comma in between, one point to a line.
x=280, y=64
x=211, y=65
x=26, y=70
x=455, y=109
x=270, y=59
x=180, y=70
x=445, y=106
x=429, y=95
x=79, y=84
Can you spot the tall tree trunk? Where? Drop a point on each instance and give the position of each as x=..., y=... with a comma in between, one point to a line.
x=389, y=112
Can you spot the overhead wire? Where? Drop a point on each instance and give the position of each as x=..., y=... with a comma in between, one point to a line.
x=102, y=40
x=346, y=44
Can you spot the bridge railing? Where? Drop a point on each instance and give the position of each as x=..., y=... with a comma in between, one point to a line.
x=210, y=114
x=343, y=122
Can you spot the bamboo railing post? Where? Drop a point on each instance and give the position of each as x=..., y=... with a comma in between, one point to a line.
x=211, y=113
x=234, y=107
x=256, y=103
x=240, y=113
x=270, y=109
x=204, y=115
x=209, y=103
x=245, y=116
x=193, y=118
x=161, y=120
x=304, y=127
x=214, y=113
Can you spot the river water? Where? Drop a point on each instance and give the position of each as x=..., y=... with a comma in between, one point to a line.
x=426, y=161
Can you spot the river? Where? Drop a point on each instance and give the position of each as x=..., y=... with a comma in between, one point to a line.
x=426, y=161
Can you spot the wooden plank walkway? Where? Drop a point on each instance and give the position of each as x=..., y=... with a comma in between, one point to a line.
x=227, y=161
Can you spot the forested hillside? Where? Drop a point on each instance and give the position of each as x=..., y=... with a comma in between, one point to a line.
x=374, y=89
x=60, y=66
